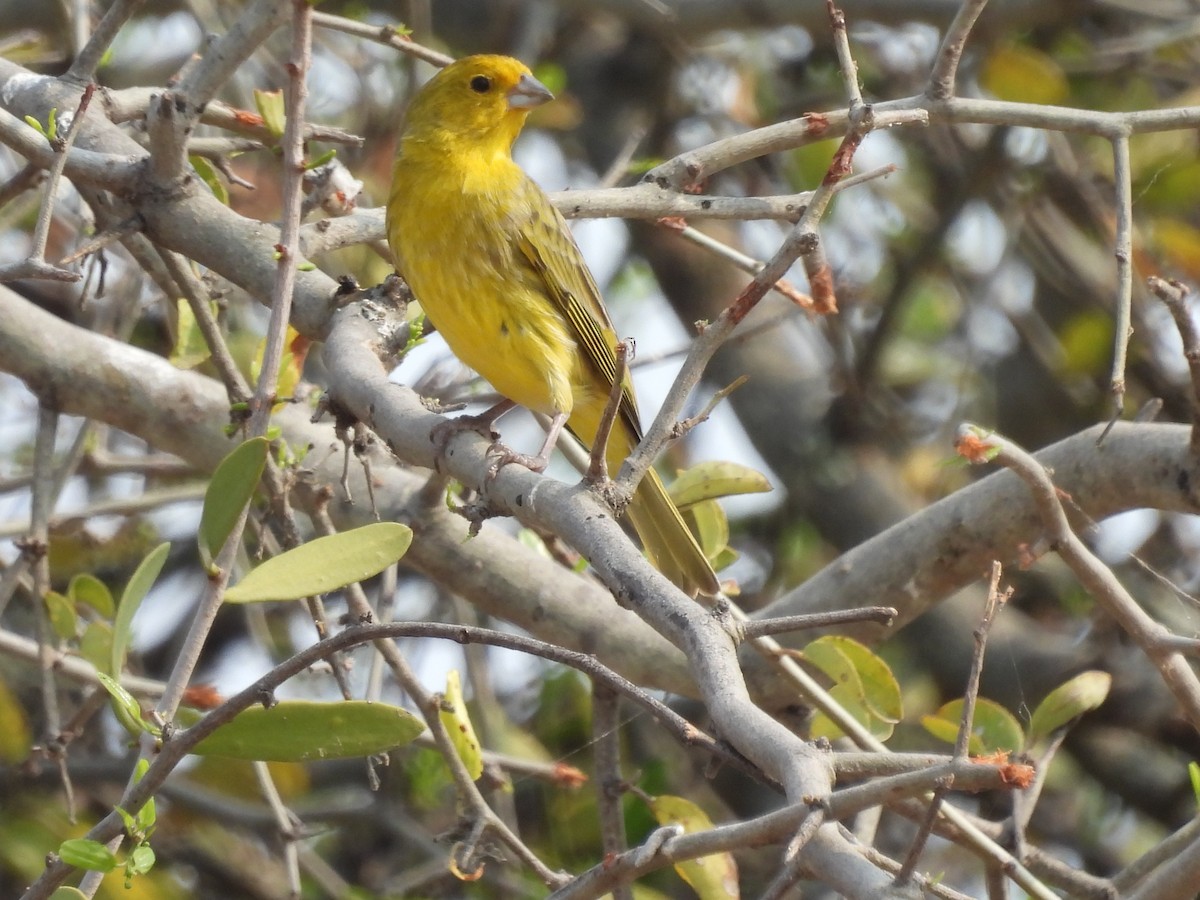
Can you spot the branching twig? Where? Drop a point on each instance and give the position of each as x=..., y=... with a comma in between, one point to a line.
x=995, y=599
x=35, y=265
x=978, y=446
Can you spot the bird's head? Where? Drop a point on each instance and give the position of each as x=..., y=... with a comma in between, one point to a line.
x=476, y=101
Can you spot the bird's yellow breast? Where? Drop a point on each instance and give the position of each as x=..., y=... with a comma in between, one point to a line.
x=454, y=229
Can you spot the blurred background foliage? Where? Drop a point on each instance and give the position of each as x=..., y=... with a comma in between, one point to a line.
x=975, y=283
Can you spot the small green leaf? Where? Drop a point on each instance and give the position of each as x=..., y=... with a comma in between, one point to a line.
x=457, y=722
x=147, y=815
x=302, y=730
x=325, y=157
x=190, y=348
x=994, y=728
x=1067, y=702
x=324, y=564
x=711, y=877
x=68, y=893
x=135, y=592
x=716, y=479
x=126, y=708
x=141, y=860
x=127, y=820
x=232, y=486
x=209, y=176
x=270, y=107
x=87, y=854
x=61, y=612
x=863, y=685
x=1194, y=775
x=89, y=590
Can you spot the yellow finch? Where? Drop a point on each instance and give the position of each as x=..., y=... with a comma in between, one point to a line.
x=498, y=273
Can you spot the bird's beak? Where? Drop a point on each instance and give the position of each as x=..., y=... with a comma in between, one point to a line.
x=528, y=93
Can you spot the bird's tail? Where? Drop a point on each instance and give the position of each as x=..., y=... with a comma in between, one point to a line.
x=669, y=543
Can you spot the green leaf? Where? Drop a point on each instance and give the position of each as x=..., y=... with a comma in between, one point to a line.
x=126, y=708
x=190, y=348
x=302, y=730
x=135, y=592
x=231, y=488
x=1067, y=702
x=129, y=822
x=270, y=107
x=716, y=479
x=68, y=893
x=141, y=860
x=87, y=854
x=147, y=815
x=96, y=645
x=89, y=590
x=209, y=176
x=324, y=564
x=321, y=160
x=711, y=877
x=709, y=524
x=1194, y=775
x=863, y=685
x=61, y=612
x=16, y=737
x=994, y=728
x=457, y=722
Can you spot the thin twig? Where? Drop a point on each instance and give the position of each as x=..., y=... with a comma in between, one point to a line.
x=1123, y=250
x=236, y=386
x=846, y=64
x=387, y=35
x=37, y=548
x=1174, y=294
x=995, y=599
x=944, y=74
x=606, y=753
x=288, y=248
x=286, y=823
x=760, y=627
x=88, y=58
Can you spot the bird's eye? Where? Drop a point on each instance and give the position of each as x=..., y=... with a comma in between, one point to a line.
x=481, y=84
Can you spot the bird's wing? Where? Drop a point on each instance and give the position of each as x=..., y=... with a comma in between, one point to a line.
x=545, y=241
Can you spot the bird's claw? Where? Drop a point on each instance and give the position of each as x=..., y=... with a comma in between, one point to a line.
x=444, y=432
x=502, y=456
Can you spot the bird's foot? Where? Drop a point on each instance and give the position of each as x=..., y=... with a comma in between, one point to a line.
x=502, y=456
x=444, y=432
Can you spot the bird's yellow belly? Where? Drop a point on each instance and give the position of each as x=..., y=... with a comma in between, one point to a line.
x=493, y=323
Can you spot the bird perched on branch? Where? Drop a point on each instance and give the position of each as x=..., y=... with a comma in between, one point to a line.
x=497, y=271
